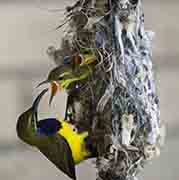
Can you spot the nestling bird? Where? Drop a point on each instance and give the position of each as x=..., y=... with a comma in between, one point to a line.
x=74, y=69
x=56, y=139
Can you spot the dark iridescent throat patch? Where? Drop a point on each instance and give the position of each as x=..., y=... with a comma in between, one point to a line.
x=48, y=126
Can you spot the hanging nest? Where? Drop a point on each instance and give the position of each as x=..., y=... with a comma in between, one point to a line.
x=104, y=64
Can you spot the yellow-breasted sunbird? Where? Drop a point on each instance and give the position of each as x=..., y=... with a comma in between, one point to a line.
x=56, y=139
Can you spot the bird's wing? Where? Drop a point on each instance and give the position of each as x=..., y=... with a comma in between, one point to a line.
x=59, y=153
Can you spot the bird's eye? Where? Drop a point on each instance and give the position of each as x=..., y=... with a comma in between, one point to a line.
x=133, y=2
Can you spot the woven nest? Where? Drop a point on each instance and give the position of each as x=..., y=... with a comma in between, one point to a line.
x=111, y=88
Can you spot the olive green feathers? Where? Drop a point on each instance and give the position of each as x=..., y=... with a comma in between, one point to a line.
x=54, y=147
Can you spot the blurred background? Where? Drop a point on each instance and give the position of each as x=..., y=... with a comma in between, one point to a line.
x=27, y=29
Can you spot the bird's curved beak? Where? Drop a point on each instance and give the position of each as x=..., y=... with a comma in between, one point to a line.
x=37, y=100
x=43, y=82
x=35, y=106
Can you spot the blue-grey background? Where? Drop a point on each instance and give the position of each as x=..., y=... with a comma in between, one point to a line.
x=26, y=30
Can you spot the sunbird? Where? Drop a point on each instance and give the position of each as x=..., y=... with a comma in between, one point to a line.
x=56, y=139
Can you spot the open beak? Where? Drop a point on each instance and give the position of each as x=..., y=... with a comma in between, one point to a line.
x=54, y=89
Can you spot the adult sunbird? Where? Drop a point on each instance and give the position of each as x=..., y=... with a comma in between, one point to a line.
x=56, y=139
